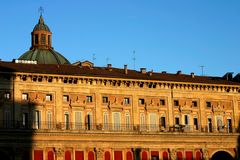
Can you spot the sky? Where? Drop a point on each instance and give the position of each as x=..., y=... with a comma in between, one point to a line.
x=165, y=35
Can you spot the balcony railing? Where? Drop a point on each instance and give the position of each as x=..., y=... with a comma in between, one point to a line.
x=36, y=125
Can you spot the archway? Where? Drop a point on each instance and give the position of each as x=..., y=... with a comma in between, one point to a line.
x=222, y=155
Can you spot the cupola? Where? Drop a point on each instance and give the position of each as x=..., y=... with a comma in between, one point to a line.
x=41, y=49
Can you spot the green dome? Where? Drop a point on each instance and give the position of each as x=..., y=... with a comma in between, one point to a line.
x=41, y=25
x=44, y=56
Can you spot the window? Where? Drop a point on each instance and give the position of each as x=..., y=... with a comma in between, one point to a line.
x=162, y=102
x=24, y=96
x=78, y=120
x=163, y=122
x=186, y=120
x=7, y=95
x=141, y=101
x=66, y=120
x=105, y=99
x=49, y=119
x=177, y=122
x=176, y=103
x=7, y=119
x=142, y=121
x=89, y=121
x=209, y=124
x=127, y=121
x=153, y=121
x=37, y=117
x=208, y=104
x=65, y=98
x=25, y=120
x=195, y=122
x=43, y=39
x=116, y=120
x=89, y=99
x=36, y=38
x=194, y=103
x=105, y=121
x=48, y=97
x=126, y=101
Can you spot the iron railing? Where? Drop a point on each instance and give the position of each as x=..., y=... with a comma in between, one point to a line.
x=42, y=125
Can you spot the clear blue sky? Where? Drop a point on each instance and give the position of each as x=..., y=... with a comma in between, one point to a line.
x=167, y=35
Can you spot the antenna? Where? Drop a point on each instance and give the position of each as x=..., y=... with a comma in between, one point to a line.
x=93, y=57
x=40, y=10
x=107, y=60
x=134, y=59
x=202, y=69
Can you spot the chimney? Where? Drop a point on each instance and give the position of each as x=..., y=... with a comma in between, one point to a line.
x=109, y=66
x=150, y=73
x=164, y=72
x=228, y=76
x=179, y=72
x=125, y=69
x=192, y=74
x=143, y=70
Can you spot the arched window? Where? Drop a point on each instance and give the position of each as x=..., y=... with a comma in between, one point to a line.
x=38, y=154
x=117, y=155
x=66, y=120
x=89, y=121
x=198, y=155
x=107, y=156
x=90, y=155
x=127, y=121
x=50, y=155
x=154, y=155
x=105, y=121
x=49, y=119
x=144, y=155
x=153, y=121
x=165, y=155
x=129, y=155
x=189, y=155
x=142, y=121
x=179, y=156
x=78, y=120
x=79, y=155
x=67, y=155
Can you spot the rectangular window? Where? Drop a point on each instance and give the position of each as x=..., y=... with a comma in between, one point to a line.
x=194, y=103
x=89, y=99
x=163, y=122
x=116, y=120
x=162, y=102
x=66, y=120
x=177, y=122
x=7, y=95
x=153, y=121
x=65, y=98
x=208, y=104
x=142, y=121
x=105, y=121
x=126, y=101
x=127, y=121
x=78, y=120
x=176, y=103
x=141, y=101
x=49, y=119
x=37, y=118
x=195, y=122
x=24, y=96
x=105, y=99
x=186, y=119
x=25, y=120
x=48, y=97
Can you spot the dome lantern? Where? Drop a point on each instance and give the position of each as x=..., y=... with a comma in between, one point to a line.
x=41, y=49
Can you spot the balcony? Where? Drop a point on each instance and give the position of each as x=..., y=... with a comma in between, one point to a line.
x=110, y=127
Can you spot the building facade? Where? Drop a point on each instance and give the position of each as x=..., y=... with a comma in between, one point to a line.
x=53, y=110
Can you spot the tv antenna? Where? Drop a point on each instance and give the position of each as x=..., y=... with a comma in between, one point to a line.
x=40, y=10
x=93, y=57
x=107, y=60
x=134, y=59
x=202, y=67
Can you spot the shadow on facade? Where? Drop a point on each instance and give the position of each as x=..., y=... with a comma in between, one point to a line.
x=16, y=120
x=238, y=144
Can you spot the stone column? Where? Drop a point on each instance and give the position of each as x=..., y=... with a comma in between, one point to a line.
x=99, y=153
x=205, y=154
x=59, y=152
